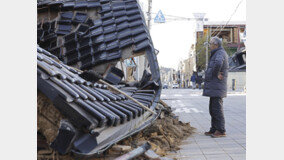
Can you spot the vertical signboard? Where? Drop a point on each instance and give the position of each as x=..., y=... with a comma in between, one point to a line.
x=199, y=21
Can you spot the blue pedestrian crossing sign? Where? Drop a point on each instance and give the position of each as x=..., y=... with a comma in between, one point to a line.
x=160, y=18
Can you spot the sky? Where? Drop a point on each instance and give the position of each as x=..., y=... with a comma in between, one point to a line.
x=173, y=39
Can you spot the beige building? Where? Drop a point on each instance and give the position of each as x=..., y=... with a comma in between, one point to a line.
x=187, y=67
x=238, y=79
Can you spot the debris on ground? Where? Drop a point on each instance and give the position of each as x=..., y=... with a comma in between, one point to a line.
x=164, y=135
x=135, y=153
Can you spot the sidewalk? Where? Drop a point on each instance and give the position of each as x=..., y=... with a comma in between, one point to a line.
x=191, y=107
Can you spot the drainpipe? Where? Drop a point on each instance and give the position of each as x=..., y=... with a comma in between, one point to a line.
x=238, y=38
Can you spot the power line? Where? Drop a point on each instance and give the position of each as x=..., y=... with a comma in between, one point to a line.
x=230, y=17
x=173, y=16
x=216, y=30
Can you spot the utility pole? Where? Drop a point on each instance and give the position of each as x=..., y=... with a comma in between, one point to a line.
x=149, y=14
x=149, y=27
x=199, y=17
x=206, y=65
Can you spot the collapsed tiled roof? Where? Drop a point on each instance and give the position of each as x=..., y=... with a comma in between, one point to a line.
x=88, y=33
x=87, y=105
x=76, y=35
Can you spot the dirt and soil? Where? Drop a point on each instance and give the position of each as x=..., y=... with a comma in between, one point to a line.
x=48, y=118
x=164, y=135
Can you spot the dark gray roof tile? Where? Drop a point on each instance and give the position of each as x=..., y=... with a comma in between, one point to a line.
x=113, y=118
x=90, y=97
x=65, y=87
x=81, y=94
x=93, y=93
x=84, y=104
x=123, y=117
x=45, y=68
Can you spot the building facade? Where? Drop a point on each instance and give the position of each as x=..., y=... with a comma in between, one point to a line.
x=232, y=33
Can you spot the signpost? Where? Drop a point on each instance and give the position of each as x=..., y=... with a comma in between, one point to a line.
x=199, y=17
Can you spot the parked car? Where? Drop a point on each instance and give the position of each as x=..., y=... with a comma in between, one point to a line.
x=175, y=85
x=165, y=86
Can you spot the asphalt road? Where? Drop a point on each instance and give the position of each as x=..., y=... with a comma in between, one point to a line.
x=192, y=107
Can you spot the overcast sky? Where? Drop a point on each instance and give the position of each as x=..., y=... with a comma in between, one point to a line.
x=173, y=39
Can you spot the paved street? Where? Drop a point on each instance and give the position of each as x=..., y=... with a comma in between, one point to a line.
x=191, y=107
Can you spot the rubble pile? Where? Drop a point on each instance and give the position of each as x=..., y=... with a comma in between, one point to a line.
x=165, y=134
